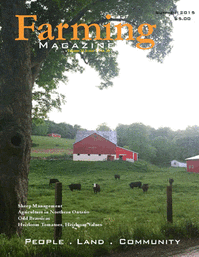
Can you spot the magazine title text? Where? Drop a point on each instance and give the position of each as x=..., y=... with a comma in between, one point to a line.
x=47, y=32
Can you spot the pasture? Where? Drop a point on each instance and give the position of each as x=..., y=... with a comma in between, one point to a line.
x=44, y=146
x=117, y=211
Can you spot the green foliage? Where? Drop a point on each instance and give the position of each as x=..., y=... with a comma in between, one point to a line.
x=136, y=136
x=49, y=65
x=163, y=150
x=55, y=62
x=187, y=146
x=103, y=127
x=39, y=129
x=65, y=130
x=44, y=127
x=159, y=146
x=45, y=96
x=187, y=229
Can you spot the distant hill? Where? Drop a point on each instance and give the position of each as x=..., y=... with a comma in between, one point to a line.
x=43, y=146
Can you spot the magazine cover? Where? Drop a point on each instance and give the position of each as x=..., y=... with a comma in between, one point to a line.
x=99, y=136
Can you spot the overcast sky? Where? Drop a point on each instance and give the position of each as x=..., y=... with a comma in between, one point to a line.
x=159, y=95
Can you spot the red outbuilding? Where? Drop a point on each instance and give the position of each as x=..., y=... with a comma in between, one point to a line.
x=193, y=164
x=54, y=135
x=93, y=145
x=125, y=154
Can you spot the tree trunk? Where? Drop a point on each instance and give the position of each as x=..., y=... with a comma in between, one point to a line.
x=15, y=118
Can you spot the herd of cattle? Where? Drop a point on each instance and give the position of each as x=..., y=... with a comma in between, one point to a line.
x=96, y=187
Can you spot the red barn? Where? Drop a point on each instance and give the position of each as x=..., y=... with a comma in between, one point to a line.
x=125, y=154
x=54, y=135
x=193, y=164
x=100, y=146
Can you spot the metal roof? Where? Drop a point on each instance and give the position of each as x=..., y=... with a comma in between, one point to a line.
x=193, y=158
x=127, y=149
x=109, y=135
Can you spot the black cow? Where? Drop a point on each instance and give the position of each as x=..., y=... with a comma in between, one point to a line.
x=75, y=186
x=117, y=176
x=96, y=188
x=145, y=187
x=53, y=180
x=171, y=181
x=135, y=184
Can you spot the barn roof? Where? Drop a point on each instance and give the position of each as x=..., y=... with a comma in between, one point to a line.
x=127, y=149
x=109, y=135
x=193, y=158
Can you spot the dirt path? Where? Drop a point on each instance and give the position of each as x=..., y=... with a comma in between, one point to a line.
x=186, y=248
x=190, y=252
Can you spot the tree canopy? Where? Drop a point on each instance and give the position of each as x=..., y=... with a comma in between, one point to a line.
x=103, y=127
x=47, y=127
x=159, y=146
x=49, y=65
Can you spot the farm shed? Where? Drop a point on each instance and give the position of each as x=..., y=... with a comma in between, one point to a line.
x=175, y=163
x=94, y=145
x=193, y=164
x=125, y=154
x=54, y=135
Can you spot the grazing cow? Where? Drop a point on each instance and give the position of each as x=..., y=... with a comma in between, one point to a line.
x=117, y=176
x=145, y=187
x=53, y=180
x=75, y=186
x=96, y=188
x=171, y=181
x=135, y=184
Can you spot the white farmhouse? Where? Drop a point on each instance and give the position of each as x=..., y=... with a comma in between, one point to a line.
x=175, y=163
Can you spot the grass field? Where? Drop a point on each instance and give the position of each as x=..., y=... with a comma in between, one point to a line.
x=116, y=212
x=44, y=146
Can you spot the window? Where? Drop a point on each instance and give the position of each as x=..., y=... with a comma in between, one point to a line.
x=100, y=154
x=89, y=154
x=78, y=154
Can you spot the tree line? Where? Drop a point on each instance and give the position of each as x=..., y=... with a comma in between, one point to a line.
x=46, y=127
x=159, y=146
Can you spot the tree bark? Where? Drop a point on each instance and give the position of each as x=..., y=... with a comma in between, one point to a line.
x=15, y=118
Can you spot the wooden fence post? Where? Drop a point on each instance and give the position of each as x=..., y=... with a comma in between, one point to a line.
x=169, y=204
x=58, y=217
